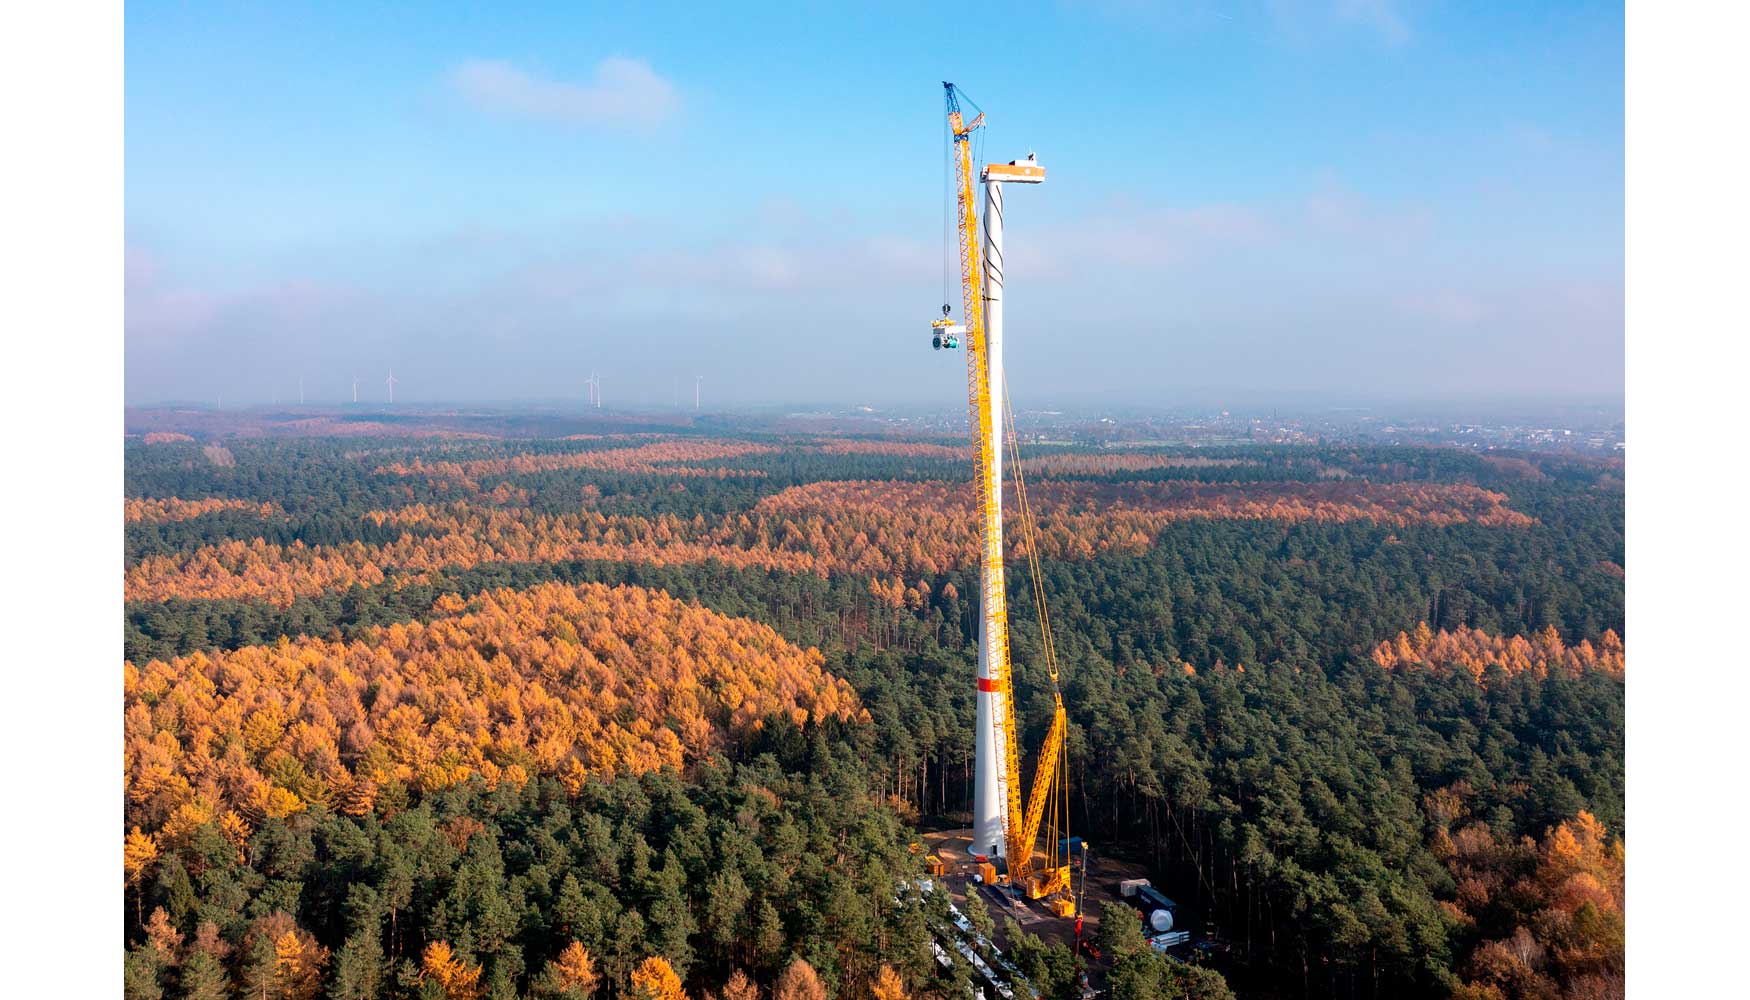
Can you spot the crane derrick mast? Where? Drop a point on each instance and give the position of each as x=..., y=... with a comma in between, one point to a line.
x=1001, y=826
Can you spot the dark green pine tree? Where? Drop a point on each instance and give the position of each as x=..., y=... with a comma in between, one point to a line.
x=627, y=948
x=726, y=902
x=257, y=965
x=671, y=919
x=358, y=967
x=573, y=916
x=768, y=936
x=143, y=974
x=203, y=977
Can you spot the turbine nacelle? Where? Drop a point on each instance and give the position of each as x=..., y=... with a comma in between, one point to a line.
x=946, y=333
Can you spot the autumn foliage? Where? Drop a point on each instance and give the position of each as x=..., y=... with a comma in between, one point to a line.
x=739, y=987
x=255, y=570
x=655, y=979
x=799, y=981
x=1078, y=464
x=573, y=971
x=858, y=526
x=565, y=789
x=896, y=449
x=1473, y=652
x=1397, y=504
x=660, y=457
x=1547, y=915
x=887, y=985
x=459, y=979
x=173, y=509
x=468, y=536
x=1513, y=468
x=559, y=680
x=882, y=526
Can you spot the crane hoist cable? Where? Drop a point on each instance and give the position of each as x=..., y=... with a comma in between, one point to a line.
x=1049, y=801
x=1029, y=537
x=949, y=155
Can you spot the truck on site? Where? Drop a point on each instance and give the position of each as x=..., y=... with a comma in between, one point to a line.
x=1159, y=914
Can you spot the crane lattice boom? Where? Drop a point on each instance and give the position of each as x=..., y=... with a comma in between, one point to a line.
x=981, y=284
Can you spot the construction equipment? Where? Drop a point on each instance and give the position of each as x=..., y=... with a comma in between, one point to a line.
x=1000, y=825
x=947, y=332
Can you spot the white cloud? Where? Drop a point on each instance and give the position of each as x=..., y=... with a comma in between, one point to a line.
x=157, y=310
x=622, y=92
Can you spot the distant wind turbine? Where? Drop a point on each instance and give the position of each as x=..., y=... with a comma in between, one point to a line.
x=355, y=387
x=300, y=390
x=696, y=380
x=392, y=380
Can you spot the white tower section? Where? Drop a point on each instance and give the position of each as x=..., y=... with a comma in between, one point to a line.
x=991, y=792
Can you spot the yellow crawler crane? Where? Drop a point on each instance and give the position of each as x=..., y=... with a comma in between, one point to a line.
x=998, y=793
x=1048, y=802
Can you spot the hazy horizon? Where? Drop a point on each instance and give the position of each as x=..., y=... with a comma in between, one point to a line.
x=1305, y=199
x=1456, y=410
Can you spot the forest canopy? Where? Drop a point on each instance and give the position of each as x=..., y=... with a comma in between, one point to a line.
x=560, y=681
x=421, y=713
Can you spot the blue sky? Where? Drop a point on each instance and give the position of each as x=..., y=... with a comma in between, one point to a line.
x=1349, y=198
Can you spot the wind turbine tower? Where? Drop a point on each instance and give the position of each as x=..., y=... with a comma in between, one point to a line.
x=300, y=390
x=355, y=387
x=1001, y=826
x=696, y=380
x=392, y=380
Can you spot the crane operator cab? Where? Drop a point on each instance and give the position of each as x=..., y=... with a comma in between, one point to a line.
x=945, y=332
